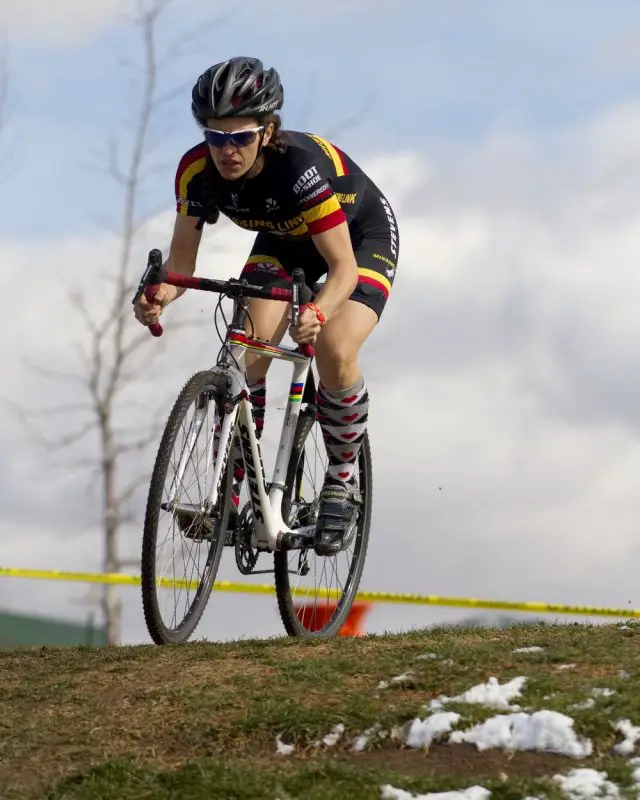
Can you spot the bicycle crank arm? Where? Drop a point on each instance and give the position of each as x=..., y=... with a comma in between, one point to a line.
x=182, y=508
x=296, y=540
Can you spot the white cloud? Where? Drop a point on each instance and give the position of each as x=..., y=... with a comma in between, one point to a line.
x=502, y=379
x=65, y=21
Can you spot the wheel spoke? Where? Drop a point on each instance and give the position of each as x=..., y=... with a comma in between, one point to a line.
x=315, y=593
x=183, y=543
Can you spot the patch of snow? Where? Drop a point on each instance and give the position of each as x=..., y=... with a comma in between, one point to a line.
x=332, y=738
x=584, y=783
x=561, y=667
x=622, y=673
x=602, y=692
x=472, y=793
x=490, y=694
x=360, y=742
x=631, y=735
x=283, y=749
x=546, y=731
x=404, y=678
x=423, y=731
x=588, y=703
x=427, y=656
x=532, y=649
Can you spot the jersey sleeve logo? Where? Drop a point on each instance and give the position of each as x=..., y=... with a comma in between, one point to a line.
x=309, y=178
x=187, y=190
x=318, y=204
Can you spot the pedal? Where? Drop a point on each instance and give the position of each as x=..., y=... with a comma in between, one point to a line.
x=292, y=541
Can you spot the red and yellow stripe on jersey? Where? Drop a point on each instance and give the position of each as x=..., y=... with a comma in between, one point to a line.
x=332, y=153
x=192, y=163
x=325, y=215
x=327, y=211
x=376, y=279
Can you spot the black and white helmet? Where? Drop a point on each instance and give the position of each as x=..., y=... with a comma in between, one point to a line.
x=237, y=87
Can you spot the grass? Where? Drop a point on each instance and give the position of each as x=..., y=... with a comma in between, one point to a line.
x=201, y=720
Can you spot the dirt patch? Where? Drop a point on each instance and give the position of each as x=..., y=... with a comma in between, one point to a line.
x=462, y=760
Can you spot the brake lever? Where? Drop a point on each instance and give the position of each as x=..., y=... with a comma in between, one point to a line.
x=151, y=275
x=149, y=284
x=300, y=295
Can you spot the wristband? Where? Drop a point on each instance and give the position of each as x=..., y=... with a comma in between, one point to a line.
x=319, y=315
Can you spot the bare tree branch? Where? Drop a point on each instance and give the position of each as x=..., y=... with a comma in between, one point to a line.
x=139, y=443
x=354, y=119
x=54, y=374
x=304, y=112
x=52, y=411
x=7, y=147
x=4, y=81
x=77, y=436
x=189, y=39
x=26, y=416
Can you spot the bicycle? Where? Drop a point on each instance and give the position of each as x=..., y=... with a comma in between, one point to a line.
x=277, y=519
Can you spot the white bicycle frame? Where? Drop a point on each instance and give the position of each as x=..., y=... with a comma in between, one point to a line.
x=270, y=530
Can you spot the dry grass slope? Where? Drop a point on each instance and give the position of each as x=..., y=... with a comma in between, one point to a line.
x=201, y=720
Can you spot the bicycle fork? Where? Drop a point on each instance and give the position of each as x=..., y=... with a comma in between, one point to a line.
x=225, y=438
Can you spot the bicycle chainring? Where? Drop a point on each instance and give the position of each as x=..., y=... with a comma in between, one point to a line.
x=246, y=554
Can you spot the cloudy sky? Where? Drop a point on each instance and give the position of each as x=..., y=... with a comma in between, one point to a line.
x=504, y=375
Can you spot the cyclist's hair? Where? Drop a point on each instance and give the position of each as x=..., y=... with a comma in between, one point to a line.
x=278, y=141
x=276, y=145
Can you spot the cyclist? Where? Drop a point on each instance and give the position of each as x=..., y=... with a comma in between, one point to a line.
x=314, y=208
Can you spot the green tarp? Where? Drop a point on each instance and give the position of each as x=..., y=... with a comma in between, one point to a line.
x=23, y=630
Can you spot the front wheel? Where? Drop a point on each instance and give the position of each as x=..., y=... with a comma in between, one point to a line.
x=316, y=593
x=183, y=539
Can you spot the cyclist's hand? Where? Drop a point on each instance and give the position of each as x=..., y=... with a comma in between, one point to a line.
x=147, y=313
x=308, y=328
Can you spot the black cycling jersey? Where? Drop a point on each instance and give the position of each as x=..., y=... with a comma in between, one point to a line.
x=310, y=188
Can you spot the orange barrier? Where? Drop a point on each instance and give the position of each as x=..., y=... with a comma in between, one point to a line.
x=315, y=617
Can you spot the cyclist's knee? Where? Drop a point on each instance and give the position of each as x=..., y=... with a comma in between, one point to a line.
x=339, y=344
x=338, y=366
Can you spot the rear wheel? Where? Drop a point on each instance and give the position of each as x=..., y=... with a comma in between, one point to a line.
x=315, y=593
x=183, y=539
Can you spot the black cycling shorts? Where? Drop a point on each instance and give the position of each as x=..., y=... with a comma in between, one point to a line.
x=272, y=261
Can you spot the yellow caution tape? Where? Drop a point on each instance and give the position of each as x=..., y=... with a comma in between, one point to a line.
x=375, y=597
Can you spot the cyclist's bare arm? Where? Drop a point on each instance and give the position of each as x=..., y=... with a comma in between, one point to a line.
x=335, y=247
x=182, y=258
x=183, y=251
